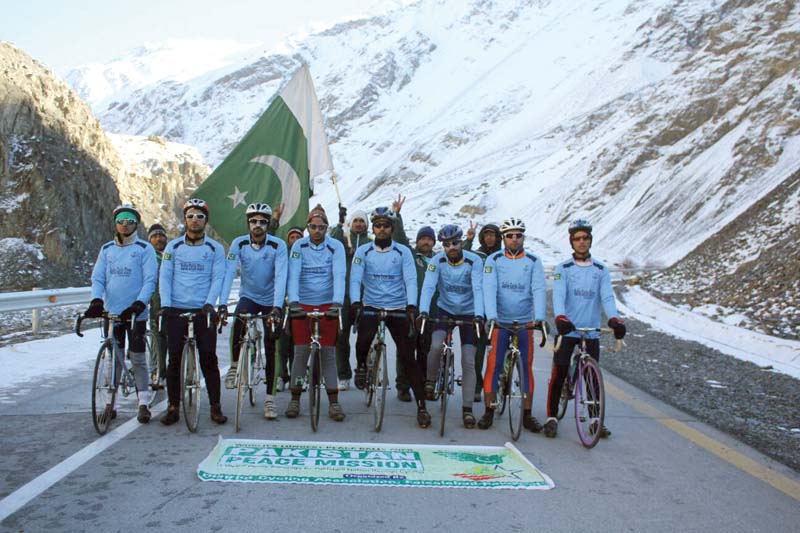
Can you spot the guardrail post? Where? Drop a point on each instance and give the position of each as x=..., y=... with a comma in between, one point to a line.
x=36, y=318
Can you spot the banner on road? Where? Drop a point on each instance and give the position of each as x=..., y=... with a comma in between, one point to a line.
x=344, y=463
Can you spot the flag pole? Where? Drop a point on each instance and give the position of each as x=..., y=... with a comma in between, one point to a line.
x=346, y=229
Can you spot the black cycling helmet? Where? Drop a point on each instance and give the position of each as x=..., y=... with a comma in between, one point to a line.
x=450, y=232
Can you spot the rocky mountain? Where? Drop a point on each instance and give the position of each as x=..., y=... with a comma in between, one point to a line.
x=61, y=176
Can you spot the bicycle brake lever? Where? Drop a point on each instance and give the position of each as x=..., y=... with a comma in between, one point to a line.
x=78, y=321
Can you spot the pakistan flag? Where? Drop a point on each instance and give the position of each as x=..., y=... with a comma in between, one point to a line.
x=273, y=163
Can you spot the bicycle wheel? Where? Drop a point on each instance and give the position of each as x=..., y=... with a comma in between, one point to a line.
x=563, y=400
x=314, y=388
x=444, y=391
x=190, y=387
x=381, y=383
x=502, y=385
x=589, y=402
x=369, y=390
x=242, y=383
x=252, y=376
x=103, y=390
x=516, y=396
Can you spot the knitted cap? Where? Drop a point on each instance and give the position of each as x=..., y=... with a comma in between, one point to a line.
x=426, y=231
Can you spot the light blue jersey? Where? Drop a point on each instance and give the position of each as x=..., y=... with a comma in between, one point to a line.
x=317, y=272
x=514, y=287
x=581, y=292
x=191, y=275
x=124, y=274
x=263, y=271
x=388, y=276
x=460, y=285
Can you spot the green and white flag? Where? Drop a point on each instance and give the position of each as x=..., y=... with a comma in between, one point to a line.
x=273, y=163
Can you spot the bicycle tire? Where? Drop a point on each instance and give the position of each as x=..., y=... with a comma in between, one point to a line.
x=369, y=389
x=314, y=388
x=103, y=391
x=502, y=386
x=382, y=383
x=242, y=383
x=190, y=388
x=563, y=400
x=445, y=389
x=516, y=397
x=589, y=402
x=251, y=376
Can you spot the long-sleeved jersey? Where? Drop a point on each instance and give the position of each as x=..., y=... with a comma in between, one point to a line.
x=263, y=271
x=460, y=285
x=124, y=274
x=388, y=276
x=317, y=272
x=513, y=287
x=191, y=275
x=581, y=292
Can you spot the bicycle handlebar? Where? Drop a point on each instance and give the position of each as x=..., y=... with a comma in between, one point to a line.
x=517, y=327
x=451, y=324
x=330, y=313
x=383, y=314
x=105, y=316
x=583, y=332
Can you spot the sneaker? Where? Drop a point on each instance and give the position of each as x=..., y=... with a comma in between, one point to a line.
x=404, y=395
x=530, y=422
x=344, y=384
x=230, y=377
x=468, y=419
x=423, y=417
x=430, y=387
x=361, y=378
x=270, y=413
x=143, y=416
x=486, y=420
x=171, y=416
x=550, y=427
x=294, y=408
x=216, y=414
x=335, y=411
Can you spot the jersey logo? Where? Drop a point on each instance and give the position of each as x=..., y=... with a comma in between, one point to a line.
x=231, y=257
x=432, y=267
x=295, y=255
x=167, y=256
x=488, y=269
x=357, y=260
x=556, y=277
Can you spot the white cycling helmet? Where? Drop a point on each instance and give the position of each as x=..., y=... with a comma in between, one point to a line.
x=259, y=209
x=512, y=224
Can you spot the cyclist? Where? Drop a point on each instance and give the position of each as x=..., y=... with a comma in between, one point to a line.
x=317, y=273
x=123, y=279
x=352, y=239
x=581, y=291
x=386, y=270
x=261, y=259
x=285, y=346
x=192, y=272
x=456, y=274
x=157, y=235
x=513, y=286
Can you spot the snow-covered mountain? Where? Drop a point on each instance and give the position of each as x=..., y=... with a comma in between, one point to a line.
x=660, y=120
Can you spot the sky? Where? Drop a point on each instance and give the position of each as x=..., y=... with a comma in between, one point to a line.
x=63, y=35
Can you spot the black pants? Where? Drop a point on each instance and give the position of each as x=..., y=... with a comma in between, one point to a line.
x=177, y=329
x=246, y=305
x=422, y=347
x=343, y=368
x=561, y=360
x=135, y=336
x=399, y=329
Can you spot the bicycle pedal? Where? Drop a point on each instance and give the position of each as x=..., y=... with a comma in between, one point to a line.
x=458, y=381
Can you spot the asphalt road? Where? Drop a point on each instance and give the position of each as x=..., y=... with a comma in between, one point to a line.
x=660, y=471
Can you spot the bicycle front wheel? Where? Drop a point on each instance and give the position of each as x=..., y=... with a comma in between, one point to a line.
x=314, y=388
x=589, y=402
x=242, y=383
x=381, y=375
x=563, y=400
x=369, y=390
x=103, y=390
x=447, y=354
x=190, y=387
x=516, y=396
x=502, y=385
x=252, y=376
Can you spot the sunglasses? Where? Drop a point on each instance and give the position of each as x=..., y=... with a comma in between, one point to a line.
x=126, y=222
x=381, y=225
x=451, y=244
x=514, y=235
x=582, y=238
x=258, y=222
x=315, y=227
x=198, y=216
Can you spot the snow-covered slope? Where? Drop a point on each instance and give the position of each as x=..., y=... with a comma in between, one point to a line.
x=660, y=120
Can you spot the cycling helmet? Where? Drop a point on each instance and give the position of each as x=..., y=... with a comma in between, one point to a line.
x=259, y=209
x=128, y=208
x=382, y=213
x=450, y=232
x=512, y=224
x=580, y=225
x=195, y=203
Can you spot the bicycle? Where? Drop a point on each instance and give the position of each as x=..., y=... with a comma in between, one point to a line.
x=510, y=381
x=251, y=370
x=314, y=372
x=108, y=377
x=153, y=345
x=444, y=385
x=190, y=373
x=377, y=371
x=584, y=383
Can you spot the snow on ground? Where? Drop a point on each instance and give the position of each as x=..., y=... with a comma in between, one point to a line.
x=782, y=354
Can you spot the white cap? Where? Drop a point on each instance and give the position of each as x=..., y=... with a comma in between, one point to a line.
x=359, y=214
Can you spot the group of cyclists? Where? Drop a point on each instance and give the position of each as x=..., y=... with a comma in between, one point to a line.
x=349, y=274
